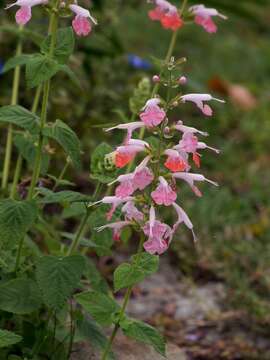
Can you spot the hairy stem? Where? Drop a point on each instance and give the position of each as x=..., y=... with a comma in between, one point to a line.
x=14, y=100
x=18, y=166
x=76, y=241
x=124, y=305
x=44, y=107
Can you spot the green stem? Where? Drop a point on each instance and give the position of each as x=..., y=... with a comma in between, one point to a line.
x=124, y=305
x=60, y=177
x=14, y=100
x=44, y=108
x=76, y=241
x=16, y=176
x=18, y=166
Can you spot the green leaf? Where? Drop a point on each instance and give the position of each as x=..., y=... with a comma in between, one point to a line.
x=89, y=330
x=8, y=338
x=97, y=282
x=130, y=274
x=102, y=169
x=68, y=196
x=140, y=96
x=20, y=296
x=73, y=77
x=16, y=61
x=64, y=45
x=16, y=218
x=126, y=275
x=23, y=118
x=23, y=32
x=39, y=69
x=57, y=277
x=147, y=262
x=145, y=333
x=66, y=137
x=25, y=144
x=100, y=306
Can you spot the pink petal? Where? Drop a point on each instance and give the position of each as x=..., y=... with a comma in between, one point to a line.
x=143, y=178
x=81, y=25
x=207, y=110
x=23, y=15
x=153, y=116
x=126, y=188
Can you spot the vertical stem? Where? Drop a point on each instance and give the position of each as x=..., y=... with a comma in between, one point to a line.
x=60, y=177
x=125, y=303
x=76, y=241
x=16, y=176
x=44, y=108
x=18, y=166
x=14, y=100
x=43, y=118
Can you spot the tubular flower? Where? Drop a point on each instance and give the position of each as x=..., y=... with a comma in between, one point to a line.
x=191, y=178
x=130, y=127
x=82, y=22
x=190, y=144
x=187, y=129
x=131, y=212
x=203, y=17
x=126, y=153
x=164, y=194
x=152, y=115
x=198, y=99
x=24, y=14
x=117, y=228
x=167, y=14
x=183, y=218
x=115, y=202
x=176, y=161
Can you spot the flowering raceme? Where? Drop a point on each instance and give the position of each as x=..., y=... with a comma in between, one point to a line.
x=152, y=184
x=82, y=23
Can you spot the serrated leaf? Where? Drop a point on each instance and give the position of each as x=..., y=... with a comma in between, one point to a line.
x=97, y=282
x=145, y=333
x=89, y=330
x=100, y=306
x=67, y=138
x=8, y=338
x=25, y=145
x=16, y=218
x=16, y=61
x=147, y=262
x=20, y=296
x=68, y=196
x=18, y=115
x=57, y=277
x=39, y=69
x=64, y=45
x=127, y=275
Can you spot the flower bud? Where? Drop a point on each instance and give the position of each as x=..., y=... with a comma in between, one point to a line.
x=156, y=79
x=182, y=80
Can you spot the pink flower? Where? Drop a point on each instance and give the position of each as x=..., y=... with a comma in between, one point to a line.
x=203, y=17
x=153, y=115
x=182, y=218
x=164, y=194
x=167, y=14
x=199, y=99
x=115, y=202
x=126, y=153
x=131, y=212
x=184, y=129
x=24, y=14
x=81, y=23
x=116, y=227
x=159, y=235
x=139, y=179
x=176, y=161
x=130, y=127
x=191, y=178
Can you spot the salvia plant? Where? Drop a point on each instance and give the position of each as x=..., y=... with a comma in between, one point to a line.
x=51, y=293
